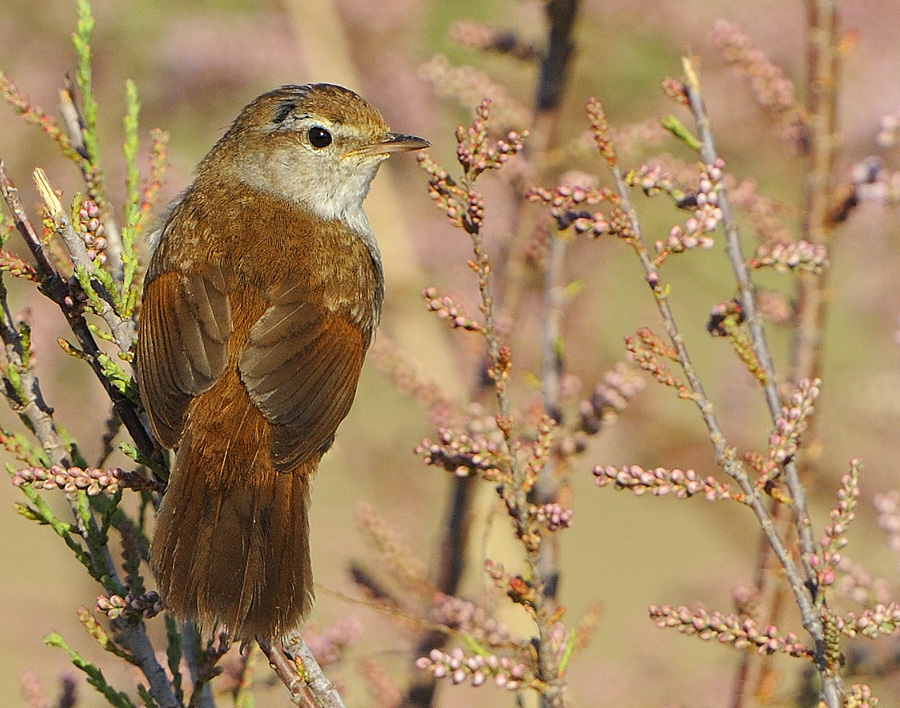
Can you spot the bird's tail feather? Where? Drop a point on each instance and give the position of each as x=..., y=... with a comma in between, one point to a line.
x=232, y=539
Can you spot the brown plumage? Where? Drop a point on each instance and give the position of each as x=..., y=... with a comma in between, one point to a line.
x=260, y=302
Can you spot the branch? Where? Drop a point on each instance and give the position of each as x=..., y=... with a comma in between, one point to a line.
x=124, y=330
x=306, y=682
x=754, y=320
x=37, y=414
x=61, y=293
x=726, y=456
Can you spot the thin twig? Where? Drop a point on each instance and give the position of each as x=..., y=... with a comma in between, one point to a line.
x=725, y=455
x=548, y=483
x=286, y=672
x=561, y=15
x=132, y=637
x=123, y=329
x=307, y=684
x=552, y=695
x=754, y=320
x=190, y=647
x=60, y=292
x=74, y=124
x=822, y=82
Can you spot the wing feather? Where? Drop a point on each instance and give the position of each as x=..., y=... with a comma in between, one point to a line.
x=182, y=345
x=301, y=365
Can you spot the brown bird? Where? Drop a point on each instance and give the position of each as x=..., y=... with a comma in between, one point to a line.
x=261, y=298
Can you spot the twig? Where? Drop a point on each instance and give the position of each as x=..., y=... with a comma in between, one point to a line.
x=548, y=483
x=306, y=682
x=90, y=171
x=561, y=15
x=552, y=695
x=190, y=646
x=123, y=329
x=822, y=77
x=726, y=455
x=59, y=291
x=132, y=637
x=754, y=321
x=554, y=68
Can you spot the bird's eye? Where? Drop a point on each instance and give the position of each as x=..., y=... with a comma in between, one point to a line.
x=319, y=137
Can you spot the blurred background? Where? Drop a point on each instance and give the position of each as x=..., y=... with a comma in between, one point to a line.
x=197, y=63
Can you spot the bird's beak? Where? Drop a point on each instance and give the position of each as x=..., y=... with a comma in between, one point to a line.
x=392, y=142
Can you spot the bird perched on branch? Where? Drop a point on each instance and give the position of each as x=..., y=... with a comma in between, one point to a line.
x=261, y=298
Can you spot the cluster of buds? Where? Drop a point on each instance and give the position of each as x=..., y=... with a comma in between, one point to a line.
x=497, y=573
x=875, y=621
x=763, y=212
x=887, y=508
x=477, y=35
x=568, y=207
x=476, y=669
x=539, y=452
x=648, y=351
x=517, y=588
x=446, y=309
x=746, y=599
x=470, y=619
x=147, y=605
x=794, y=255
x=394, y=556
x=92, y=480
x=728, y=629
x=834, y=537
x=724, y=317
x=609, y=398
x=653, y=179
x=661, y=481
x=772, y=87
x=773, y=306
x=870, y=181
x=464, y=455
x=793, y=421
x=476, y=153
x=15, y=266
x=706, y=217
x=860, y=696
x=554, y=516
x=675, y=90
x=464, y=208
x=468, y=86
x=92, y=231
x=725, y=320
x=599, y=127
x=857, y=584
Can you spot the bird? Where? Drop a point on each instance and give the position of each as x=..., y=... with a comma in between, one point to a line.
x=262, y=294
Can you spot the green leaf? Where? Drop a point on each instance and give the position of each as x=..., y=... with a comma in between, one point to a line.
x=174, y=654
x=133, y=200
x=149, y=700
x=81, y=39
x=95, y=675
x=115, y=374
x=676, y=128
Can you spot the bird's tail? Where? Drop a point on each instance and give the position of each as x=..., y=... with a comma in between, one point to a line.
x=232, y=537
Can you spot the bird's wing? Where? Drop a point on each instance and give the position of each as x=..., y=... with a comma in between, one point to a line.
x=183, y=334
x=301, y=365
